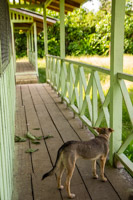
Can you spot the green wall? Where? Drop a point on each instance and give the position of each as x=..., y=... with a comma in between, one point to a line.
x=7, y=129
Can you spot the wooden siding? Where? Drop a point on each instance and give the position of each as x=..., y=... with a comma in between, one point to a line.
x=7, y=125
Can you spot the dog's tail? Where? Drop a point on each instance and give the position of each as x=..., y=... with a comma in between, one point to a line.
x=55, y=167
x=50, y=173
x=57, y=162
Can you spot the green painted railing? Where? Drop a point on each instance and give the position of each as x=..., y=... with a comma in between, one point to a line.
x=7, y=124
x=80, y=86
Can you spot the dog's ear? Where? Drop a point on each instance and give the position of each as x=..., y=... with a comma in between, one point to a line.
x=97, y=128
x=111, y=130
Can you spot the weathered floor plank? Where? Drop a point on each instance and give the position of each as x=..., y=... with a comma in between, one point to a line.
x=24, y=67
x=38, y=106
x=41, y=157
x=76, y=177
x=64, y=126
x=25, y=73
x=22, y=169
x=118, y=178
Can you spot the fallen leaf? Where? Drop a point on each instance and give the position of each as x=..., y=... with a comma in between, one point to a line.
x=48, y=136
x=39, y=137
x=35, y=142
x=19, y=139
x=30, y=136
x=31, y=150
x=36, y=128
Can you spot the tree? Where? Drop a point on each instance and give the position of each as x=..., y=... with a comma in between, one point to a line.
x=105, y=5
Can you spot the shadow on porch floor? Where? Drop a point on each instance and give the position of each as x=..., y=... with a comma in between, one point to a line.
x=38, y=106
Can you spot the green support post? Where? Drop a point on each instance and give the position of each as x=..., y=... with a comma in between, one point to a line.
x=27, y=34
x=13, y=45
x=62, y=29
x=35, y=42
x=62, y=39
x=45, y=30
x=45, y=38
x=116, y=63
x=29, y=40
x=32, y=42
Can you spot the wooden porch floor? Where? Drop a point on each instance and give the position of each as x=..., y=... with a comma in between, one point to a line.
x=38, y=106
x=25, y=73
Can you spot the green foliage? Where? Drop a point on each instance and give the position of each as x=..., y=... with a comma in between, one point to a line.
x=21, y=45
x=105, y=5
x=129, y=34
x=86, y=33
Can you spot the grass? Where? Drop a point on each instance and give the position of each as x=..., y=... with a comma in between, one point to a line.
x=105, y=82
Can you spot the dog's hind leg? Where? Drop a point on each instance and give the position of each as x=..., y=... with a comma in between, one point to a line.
x=102, y=166
x=70, y=170
x=61, y=170
x=94, y=169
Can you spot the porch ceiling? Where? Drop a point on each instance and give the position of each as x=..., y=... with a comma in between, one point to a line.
x=70, y=5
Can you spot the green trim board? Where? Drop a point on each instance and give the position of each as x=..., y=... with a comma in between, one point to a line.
x=125, y=76
x=26, y=6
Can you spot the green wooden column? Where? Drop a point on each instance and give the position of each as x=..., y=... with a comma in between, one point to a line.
x=27, y=34
x=62, y=44
x=29, y=44
x=45, y=38
x=13, y=45
x=32, y=41
x=62, y=29
x=35, y=42
x=45, y=30
x=116, y=61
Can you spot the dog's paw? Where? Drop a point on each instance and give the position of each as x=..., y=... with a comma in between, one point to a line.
x=104, y=179
x=72, y=196
x=95, y=176
x=61, y=187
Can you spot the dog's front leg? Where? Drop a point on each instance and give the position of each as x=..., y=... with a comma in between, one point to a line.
x=94, y=169
x=102, y=166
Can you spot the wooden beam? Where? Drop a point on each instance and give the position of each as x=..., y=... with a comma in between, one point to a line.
x=55, y=9
x=26, y=6
x=70, y=3
x=56, y=5
x=48, y=2
x=117, y=49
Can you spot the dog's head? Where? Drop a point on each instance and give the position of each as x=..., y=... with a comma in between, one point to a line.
x=103, y=131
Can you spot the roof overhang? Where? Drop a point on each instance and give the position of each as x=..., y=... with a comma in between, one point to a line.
x=70, y=5
x=23, y=19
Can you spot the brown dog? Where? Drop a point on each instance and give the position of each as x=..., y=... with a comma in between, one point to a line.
x=72, y=150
